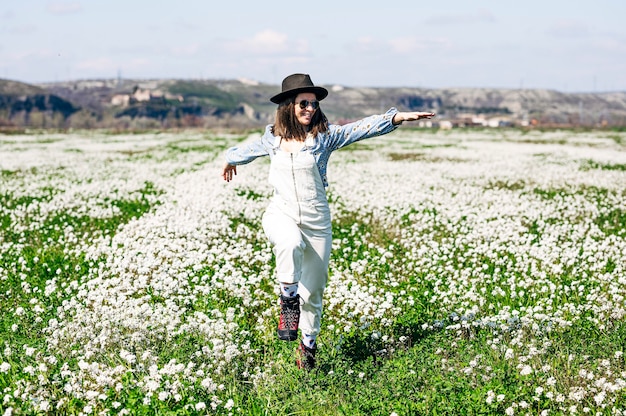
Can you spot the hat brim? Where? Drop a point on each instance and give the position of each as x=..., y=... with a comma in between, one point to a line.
x=320, y=93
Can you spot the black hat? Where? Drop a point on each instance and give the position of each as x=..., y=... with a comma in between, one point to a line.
x=295, y=84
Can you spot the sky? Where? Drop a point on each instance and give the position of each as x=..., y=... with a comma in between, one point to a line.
x=564, y=45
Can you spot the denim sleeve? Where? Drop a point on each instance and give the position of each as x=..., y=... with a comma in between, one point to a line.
x=241, y=155
x=341, y=136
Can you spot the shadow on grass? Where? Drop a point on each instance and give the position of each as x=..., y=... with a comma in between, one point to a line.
x=357, y=349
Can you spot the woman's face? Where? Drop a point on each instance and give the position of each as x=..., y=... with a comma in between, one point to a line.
x=304, y=115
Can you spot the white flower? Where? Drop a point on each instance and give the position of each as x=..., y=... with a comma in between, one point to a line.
x=526, y=370
x=209, y=384
x=599, y=398
x=152, y=385
x=509, y=411
x=200, y=406
x=229, y=404
x=490, y=396
x=44, y=405
x=5, y=367
x=165, y=252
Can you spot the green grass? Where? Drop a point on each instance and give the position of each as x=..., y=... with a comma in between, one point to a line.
x=592, y=164
x=434, y=360
x=39, y=257
x=414, y=381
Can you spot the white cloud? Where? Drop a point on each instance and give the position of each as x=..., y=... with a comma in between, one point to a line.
x=33, y=55
x=481, y=16
x=23, y=29
x=267, y=42
x=137, y=63
x=185, y=50
x=98, y=63
x=64, y=7
x=367, y=44
x=411, y=44
x=399, y=45
x=569, y=29
x=106, y=66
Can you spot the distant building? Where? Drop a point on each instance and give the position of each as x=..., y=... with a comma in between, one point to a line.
x=143, y=95
x=120, y=100
x=500, y=122
x=445, y=125
x=140, y=95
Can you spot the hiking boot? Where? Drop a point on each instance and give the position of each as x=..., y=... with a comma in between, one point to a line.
x=305, y=357
x=289, y=318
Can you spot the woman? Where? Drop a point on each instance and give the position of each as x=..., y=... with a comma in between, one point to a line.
x=297, y=220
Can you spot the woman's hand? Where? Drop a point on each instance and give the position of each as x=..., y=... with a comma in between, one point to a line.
x=411, y=116
x=229, y=171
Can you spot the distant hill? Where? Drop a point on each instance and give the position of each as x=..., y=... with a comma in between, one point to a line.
x=167, y=103
x=29, y=105
x=8, y=87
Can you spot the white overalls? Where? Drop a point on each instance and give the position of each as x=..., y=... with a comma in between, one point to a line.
x=297, y=224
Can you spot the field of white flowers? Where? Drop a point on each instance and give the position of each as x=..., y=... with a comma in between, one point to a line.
x=478, y=271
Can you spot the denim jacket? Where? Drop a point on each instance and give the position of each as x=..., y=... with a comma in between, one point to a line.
x=321, y=146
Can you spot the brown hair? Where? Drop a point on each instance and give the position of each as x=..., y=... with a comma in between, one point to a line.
x=287, y=125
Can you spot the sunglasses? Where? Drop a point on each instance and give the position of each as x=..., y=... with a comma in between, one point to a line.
x=305, y=103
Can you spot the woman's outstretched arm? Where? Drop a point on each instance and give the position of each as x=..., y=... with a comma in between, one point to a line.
x=399, y=117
